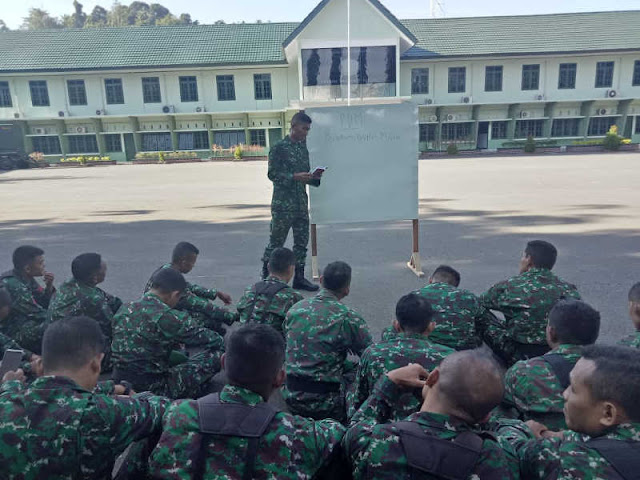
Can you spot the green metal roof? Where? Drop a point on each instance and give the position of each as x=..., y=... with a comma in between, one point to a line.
x=246, y=44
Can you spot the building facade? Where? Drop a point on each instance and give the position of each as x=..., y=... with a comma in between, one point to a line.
x=484, y=82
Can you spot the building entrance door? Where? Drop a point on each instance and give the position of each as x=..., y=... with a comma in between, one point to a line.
x=129, y=146
x=483, y=135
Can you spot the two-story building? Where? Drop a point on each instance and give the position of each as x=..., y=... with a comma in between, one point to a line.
x=483, y=82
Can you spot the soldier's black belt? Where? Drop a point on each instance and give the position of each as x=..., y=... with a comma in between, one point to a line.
x=138, y=381
x=530, y=350
x=299, y=384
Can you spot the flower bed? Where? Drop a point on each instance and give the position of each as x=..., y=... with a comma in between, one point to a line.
x=87, y=161
x=166, y=157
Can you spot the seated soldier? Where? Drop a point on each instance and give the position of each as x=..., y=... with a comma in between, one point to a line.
x=603, y=413
x=148, y=336
x=82, y=296
x=633, y=340
x=534, y=387
x=412, y=344
x=440, y=441
x=525, y=300
x=57, y=427
x=269, y=300
x=236, y=434
x=197, y=301
x=29, y=358
x=26, y=322
x=320, y=332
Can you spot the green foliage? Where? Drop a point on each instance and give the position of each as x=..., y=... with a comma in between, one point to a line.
x=612, y=141
x=452, y=149
x=3, y=26
x=39, y=19
x=83, y=159
x=522, y=143
x=237, y=153
x=530, y=144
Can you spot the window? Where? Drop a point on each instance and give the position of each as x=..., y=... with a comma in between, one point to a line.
x=428, y=132
x=258, y=137
x=456, y=131
x=229, y=139
x=419, y=80
x=637, y=130
x=636, y=74
x=599, y=126
x=530, y=77
x=77, y=92
x=5, y=95
x=39, y=93
x=113, y=142
x=262, y=86
x=226, y=88
x=151, y=90
x=113, y=89
x=499, y=130
x=565, y=127
x=567, y=75
x=493, y=79
x=604, y=74
x=526, y=128
x=457, y=79
x=49, y=145
x=156, y=142
x=193, y=141
x=82, y=144
x=188, y=89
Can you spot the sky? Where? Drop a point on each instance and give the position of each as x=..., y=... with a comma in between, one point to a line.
x=208, y=11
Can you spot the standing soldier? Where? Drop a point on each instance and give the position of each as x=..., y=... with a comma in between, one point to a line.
x=525, y=301
x=321, y=332
x=268, y=301
x=289, y=171
x=26, y=322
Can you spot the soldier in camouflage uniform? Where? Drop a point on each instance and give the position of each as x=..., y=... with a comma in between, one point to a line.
x=525, y=301
x=29, y=359
x=457, y=396
x=320, y=332
x=290, y=447
x=633, y=340
x=534, y=387
x=269, y=301
x=603, y=413
x=198, y=301
x=289, y=171
x=26, y=322
x=148, y=336
x=412, y=344
x=57, y=427
x=82, y=296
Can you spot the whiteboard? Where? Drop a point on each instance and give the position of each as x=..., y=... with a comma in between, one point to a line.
x=371, y=152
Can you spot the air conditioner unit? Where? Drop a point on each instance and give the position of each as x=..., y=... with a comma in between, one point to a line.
x=39, y=131
x=16, y=115
x=611, y=94
x=524, y=114
x=539, y=97
x=451, y=117
x=433, y=118
x=168, y=109
x=601, y=111
x=101, y=112
x=61, y=113
x=467, y=100
x=200, y=109
x=428, y=101
x=81, y=129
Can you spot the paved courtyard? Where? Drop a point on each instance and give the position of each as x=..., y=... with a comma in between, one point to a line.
x=476, y=215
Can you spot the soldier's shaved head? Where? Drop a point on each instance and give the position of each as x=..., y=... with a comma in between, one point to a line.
x=634, y=293
x=574, y=322
x=71, y=343
x=446, y=274
x=471, y=382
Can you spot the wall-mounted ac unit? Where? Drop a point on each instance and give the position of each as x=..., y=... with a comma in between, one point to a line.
x=450, y=117
x=525, y=114
x=433, y=118
x=61, y=113
x=428, y=101
x=16, y=115
x=467, y=99
x=611, y=94
x=539, y=97
x=601, y=111
x=200, y=109
x=80, y=129
x=168, y=109
x=101, y=112
x=39, y=131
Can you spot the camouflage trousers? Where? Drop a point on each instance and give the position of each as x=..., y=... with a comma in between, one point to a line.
x=281, y=223
x=216, y=319
x=507, y=349
x=29, y=336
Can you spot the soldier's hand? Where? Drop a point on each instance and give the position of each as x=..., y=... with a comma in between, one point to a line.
x=36, y=365
x=412, y=376
x=125, y=390
x=302, y=177
x=539, y=430
x=225, y=297
x=48, y=280
x=14, y=375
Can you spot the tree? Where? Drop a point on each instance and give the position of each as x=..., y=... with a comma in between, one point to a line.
x=3, y=26
x=98, y=17
x=185, y=19
x=79, y=17
x=158, y=11
x=39, y=19
x=168, y=20
x=219, y=22
x=135, y=10
x=117, y=16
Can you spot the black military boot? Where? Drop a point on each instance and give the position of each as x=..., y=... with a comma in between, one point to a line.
x=301, y=283
x=265, y=270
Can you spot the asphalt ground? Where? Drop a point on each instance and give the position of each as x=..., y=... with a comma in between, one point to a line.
x=476, y=215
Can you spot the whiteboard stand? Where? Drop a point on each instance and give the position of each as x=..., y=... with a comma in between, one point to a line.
x=414, y=262
x=314, y=252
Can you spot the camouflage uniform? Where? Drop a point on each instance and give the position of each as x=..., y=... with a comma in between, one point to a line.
x=277, y=309
x=74, y=298
x=632, y=340
x=289, y=204
x=145, y=333
x=197, y=301
x=291, y=448
x=320, y=332
x=381, y=358
x=564, y=459
x=26, y=322
x=459, y=317
x=55, y=429
x=525, y=301
x=533, y=392
x=375, y=451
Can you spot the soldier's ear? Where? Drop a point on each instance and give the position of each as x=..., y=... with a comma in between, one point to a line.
x=223, y=360
x=430, y=328
x=610, y=415
x=396, y=325
x=280, y=378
